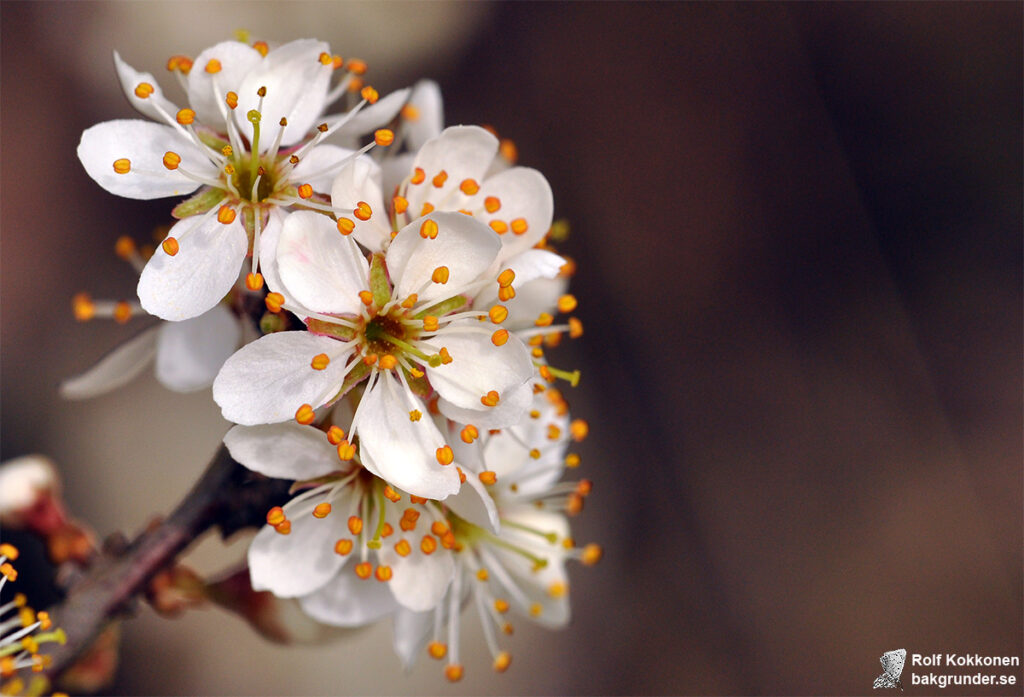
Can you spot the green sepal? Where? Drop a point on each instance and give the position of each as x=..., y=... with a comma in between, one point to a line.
x=272, y=322
x=205, y=200
x=379, y=285
x=444, y=307
x=338, y=331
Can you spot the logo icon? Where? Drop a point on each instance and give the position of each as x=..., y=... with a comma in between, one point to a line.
x=892, y=664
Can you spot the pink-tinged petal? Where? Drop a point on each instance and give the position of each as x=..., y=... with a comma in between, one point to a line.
x=189, y=353
x=370, y=117
x=296, y=85
x=525, y=195
x=398, y=449
x=319, y=166
x=195, y=279
x=322, y=269
x=130, y=79
x=284, y=451
x=268, y=380
x=418, y=581
x=478, y=366
x=116, y=368
x=302, y=561
x=463, y=245
x=349, y=601
x=359, y=182
x=510, y=409
x=143, y=144
x=411, y=631
x=460, y=152
x=429, y=114
x=475, y=505
x=207, y=90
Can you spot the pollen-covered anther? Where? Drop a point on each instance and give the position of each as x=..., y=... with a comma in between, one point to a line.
x=383, y=573
x=500, y=337
x=226, y=215
x=567, y=303
x=545, y=372
x=364, y=569
x=125, y=247
x=346, y=451
x=283, y=528
x=143, y=90
x=505, y=278
x=122, y=312
x=170, y=246
x=440, y=275
x=335, y=434
x=322, y=510
x=579, y=429
x=575, y=328
x=343, y=547
x=363, y=211
x=506, y=293
x=403, y=548
x=276, y=516
x=481, y=574
x=501, y=606
x=387, y=362
x=439, y=528
x=274, y=301
x=492, y=204
x=83, y=307
x=418, y=176
x=320, y=361
x=536, y=609
x=574, y=504
x=446, y=357
x=502, y=661
x=498, y=313
x=488, y=477
x=369, y=93
x=213, y=66
x=415, y=415
x=305, y=414
x=469, y=433
x=356, y=66
x=370, y=359
x=445, y=456
x=544, y=319
x=346, y=226
x=508, y=150
x=306, y=191
x=428, y=544
x=439, y=179
x=254, y=281
x=401, y=204
x=490, y=399
x=182, y=63
x=427, y=209
x=428, y=230
x=325, y=58
x=437, y=650
x=453, y=671
x=355, y=524
x=383, y=137
x=366, y=297
x=499, y=226
x=262, y=47
x=171, y=160
x=519, y=226
x=122, y=165
x=591, y=554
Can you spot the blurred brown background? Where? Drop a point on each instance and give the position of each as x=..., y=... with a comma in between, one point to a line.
x=798, y=228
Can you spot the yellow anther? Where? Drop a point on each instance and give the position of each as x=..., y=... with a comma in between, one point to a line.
x=335, y=434
x=415, y=499
x=554, y=432
x=401, y=204
x=364, y=569
x=261, y=91
x=534, y=454
x=122, y=312
x=446, y=357
x=44, y=620
x=453, y=671
x=575, y=328
x=366, y=297
x=370, y=359
x=276, y=516
x=490, y=399
x=391, y=495
x=488, y=477
x=346, y=226
x=574, y=505
x=356, y=66
x=387, y=362
x=427, y=209
x=226, y=215
x=519, y=226
x=369, y=94
x=492, y=204
x=437, y=650
x=545, y=372
x=415, y=415
x=439, y=179
x=84, y=310
x=584, y=487
x=469, y=187
x=322, y=510
x=274, y=301
x=143, y=90
x=346, y=451
x=418, y=176
x=428, y=230
x=170, y=246
x=122, y=165
x=506, y=277
x=410, y=113
x=383, y=137
x=537, y=352
x=262, y=47
x=8, y=571
x=544, y=320
x=320, y=361
x=213, y=66
x=306, y=191
x=567, y=303
x=502, y=661
x=440, y=275
x=343, y=547
x=428, y=544
x=536, y=609
x=305, y=414
x=557, y=589
x=500, y=337
x=355, y=524
x=125, y=247
x=383, y=573
x=355, y=84
x=439, y=528
x=325, y=59
x=481, y=574
x=416, y=373
x=293, y=159
x=506, y=293
x=572, y=460
x=508, y=150
x=579, y=429
x=229, y=169
x=469, y=433
x=498, y=313
x=19, y=600
x=430, y=323
x=592, y=554
x=254, y=281
x=499, y=226
x=501, y=606
x=445, y=456
x=283, y=528
x=182, y=63
x=362, y=211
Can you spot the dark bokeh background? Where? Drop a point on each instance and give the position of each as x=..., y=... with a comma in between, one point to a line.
x=798, y=229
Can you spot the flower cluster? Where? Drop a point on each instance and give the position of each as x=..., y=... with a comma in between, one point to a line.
x=398, y=372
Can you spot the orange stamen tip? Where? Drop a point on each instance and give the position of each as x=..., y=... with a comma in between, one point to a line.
x=391, y=495
x=440, y=275
x=430, y=323
x=506, y=293
x=343, y=547
x=502, y=661
x=592, y=554
x=401, y=204
x=439, y=179
x=274, y=302
x=488, y=477
x=508, y=150
x=320, y=361
x=335, y=434
x=579, y=429
x=170, y=246
x=418, y=176
x=346, y=226
x=387, y=362
x=462, y=475
x=364, y=569
x=171, y=160
x=469, y=433
x=415, y=415
x=410, y=112
x=322, y=510
x=254, y=281
x=519, y=226
x=428, y=544
x=368, y=93
x=305, y=414
x=427, y=209
x=428, y=230
x=490, y=399
x=213, y=66
x=567, y=303
x=575, y=328
x=498, y=313
x=437, y=650
x=501, y=606
x=499, y=226
x=84, y=310
x=122, y=165
x=446, y=357
x=125, y=247
x=362, y=211
x=445, y=456
x=355, y=524
x=544, y=319
x=492, y=204
x=276, y=516
x=370, y=359
x=122, y=312
x=143, y=90
x=481, y=574
x=306, y=191
x=262, y=47
x=366, y=297
x=284, y=528
x=383, y=137
x=383, y=573
x=500, y=337
x=453, y=672
x=226, y=215
x=346, y=451
x=506, y=277
x=469, y=187
x=325, y=59
x=231, y=99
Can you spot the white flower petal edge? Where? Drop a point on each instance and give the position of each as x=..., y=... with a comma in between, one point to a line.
x=283, y=451
x=525, y=195
x=461, y=152
x=116, y=368
x=349, y=601
x=152, y=105
x=189, y=353
x=360, y=182
x=410, y=631
x=206, y=88
x=427, y=118
x=318, y=267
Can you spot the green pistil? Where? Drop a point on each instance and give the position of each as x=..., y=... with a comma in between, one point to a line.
x=572, y=378
x=404, y=345
x=254, y=118
x=469, y=533
x=549, y=536
x=538, y=562
x=375, y=543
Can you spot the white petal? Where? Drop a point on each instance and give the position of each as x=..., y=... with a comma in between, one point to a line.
x=130, y=79
x=189, y=353
x=507, y=454
x=426, y=99
x=411, y=631
x=399, y=450
x=418, y=581
x=318, y=167
x=537, y=288
x=524, y=193
x=116, y=368
x=268, y=380
x=269, y=237
x=300, y=562
x=394, y=169
x=360, y=181
x=370, y=117
x=296, y=83
x=195, y=279
x=510, y=409
x=143, y=144
x=474, y=504
x=478, y=366
x=349, y=601
x=322, y=269
x=462, y=152
x=206, y=91
x=463, y=245
x=283, y=451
